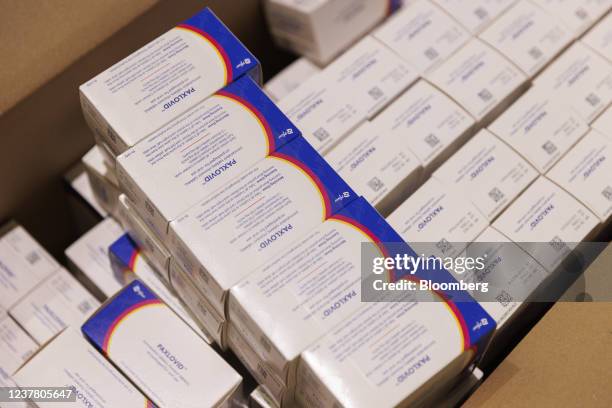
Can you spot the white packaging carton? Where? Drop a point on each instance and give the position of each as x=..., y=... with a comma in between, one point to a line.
x=437, y=220
x=545, y=213
x=292, y=76
x=128, y=264
x=488, y=172
x=163, y=80
x=422, y=34
x=579, y=15
x=528, y=36
x=259, y=398
x=603, y=124
x=454, y=397
x=480, y=79
x=198, y=153
x=377, y=168
x=223, y=238
x=285, y=306
x=149, y=244
x=274, y=387
x=324, y=111
x=350, y=90
x=103, y=180
x=387, y=354
x=15, y=348
x=158, y=352
x=428, y=122
x=599, y=38
x=58, y=302
x=540, y=128
x=69, y=361
x=321, y=29
x=475, y=15
x=204, y=314
x=586, y=173
x=513, y=276
x=23, y=264
x=89, y=256
x=81, y=184
x=581, y=77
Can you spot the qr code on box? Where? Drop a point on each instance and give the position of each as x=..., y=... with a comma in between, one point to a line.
x=33, y=257
x=265, y=343
x=496, y=195
x=375, y=184
x=535, y=53
x=431, y=53
x=557, y=243
x=444, y=246
x=321, y=134
x=262, y=371
x=607, y=193
x=504, y=298
x=549, y=147
x=485, y=95
x=84, y=307
x=432, y=140
x=481, y=13
x=375, y=93
x=593, y=99
x=582, y=14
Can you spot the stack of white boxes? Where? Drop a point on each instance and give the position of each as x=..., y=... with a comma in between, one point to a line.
x=16, y=346
x=38, y=300
x=528, y=35
x=544, y=151
x=217, y=184
x=311, y=293
x=176, y=112
x=321, y=29
x=38, y=293
x=478, y=129
x=69, y=361
x=347, y=92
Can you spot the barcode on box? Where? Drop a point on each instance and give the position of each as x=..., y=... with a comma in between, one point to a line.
x=375, y=184
x=149, y=244
x=481, y=13
x=485, y=95
x=582, y=14
x=84, y=307
x=321, y=134
x=432, y=140
x=557, y=243
x=504, y=298
x=431, y=53
x=32, y=257
x=375, y=93
x=444, y=246
x=262, y=371
x=496, y=195
x=549, y=147
x=264, y=342
x=535, y=53
x=593, y=99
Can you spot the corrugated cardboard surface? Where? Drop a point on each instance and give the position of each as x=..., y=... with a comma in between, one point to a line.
x=41, y=38
x=566, y=359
